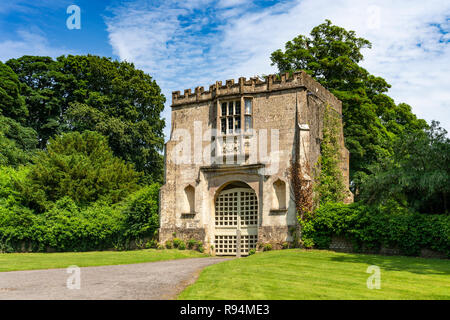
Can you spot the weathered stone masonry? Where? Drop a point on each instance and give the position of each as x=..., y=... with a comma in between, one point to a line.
x=239, y=193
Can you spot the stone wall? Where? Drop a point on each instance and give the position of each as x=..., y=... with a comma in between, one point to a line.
x=184, y=234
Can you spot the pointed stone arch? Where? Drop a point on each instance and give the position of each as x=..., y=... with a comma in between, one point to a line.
x=189, y=199
x=279, y=195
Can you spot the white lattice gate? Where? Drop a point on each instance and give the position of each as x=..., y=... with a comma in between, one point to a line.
x=236, y=221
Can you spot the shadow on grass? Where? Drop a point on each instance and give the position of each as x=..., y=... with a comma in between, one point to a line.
x=399, y=263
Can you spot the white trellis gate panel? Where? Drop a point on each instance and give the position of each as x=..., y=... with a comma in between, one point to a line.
x=236, y=215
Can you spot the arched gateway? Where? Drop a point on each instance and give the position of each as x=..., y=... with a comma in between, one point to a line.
x=236, y=220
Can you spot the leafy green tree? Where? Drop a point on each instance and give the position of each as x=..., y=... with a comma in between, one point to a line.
x=17, y=143
x=12, y=104
x=417, y=175
x=41, y=86
x=77, y=93
x=81, y=167
x=371, y=118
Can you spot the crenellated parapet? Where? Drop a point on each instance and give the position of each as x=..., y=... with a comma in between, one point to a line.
x=252, y=86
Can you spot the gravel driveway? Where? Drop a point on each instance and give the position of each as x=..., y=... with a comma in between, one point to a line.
x=153, y=281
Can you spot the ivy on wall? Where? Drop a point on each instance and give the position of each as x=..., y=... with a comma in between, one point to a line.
x=329, y=183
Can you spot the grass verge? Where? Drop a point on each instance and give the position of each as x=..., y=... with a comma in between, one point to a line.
x=316, y=274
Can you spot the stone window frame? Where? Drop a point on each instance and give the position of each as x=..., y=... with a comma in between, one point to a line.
x=243, y=115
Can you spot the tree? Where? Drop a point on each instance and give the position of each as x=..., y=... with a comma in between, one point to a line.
x=12, y=104
x=77, y=93
x=17, y=143
x=417, y=175
x=371, y=119
x=40, y=86
x=80, y=166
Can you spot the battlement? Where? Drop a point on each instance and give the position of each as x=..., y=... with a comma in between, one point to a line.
x=254, y=85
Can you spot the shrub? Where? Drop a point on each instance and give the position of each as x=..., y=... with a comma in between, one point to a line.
x=252, y=251
x=373, y=227
x=141, y=212
x=285, y=245
x=151, y=244
x=169, y=244
x=67, y=226
x=200, y=247
x=267, y=247
x=191, y=243
x=182, y=245
x=81, y=166
x=139, y=243
x=176, y=242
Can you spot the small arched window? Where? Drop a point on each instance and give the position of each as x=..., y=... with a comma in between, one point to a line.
x=279, y=195
x=189, y=199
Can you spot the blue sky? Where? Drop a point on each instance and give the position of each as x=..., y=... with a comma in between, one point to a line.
x=184, y=44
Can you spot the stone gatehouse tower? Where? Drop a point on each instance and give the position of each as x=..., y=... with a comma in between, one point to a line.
x=228, y=160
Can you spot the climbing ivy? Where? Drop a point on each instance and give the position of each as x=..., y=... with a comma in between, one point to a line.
x=329, y=182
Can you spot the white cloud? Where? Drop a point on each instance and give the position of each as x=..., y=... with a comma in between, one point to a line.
x=29, y=43
x=186, y=44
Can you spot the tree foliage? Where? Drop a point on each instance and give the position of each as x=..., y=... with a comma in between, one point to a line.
x=73, y=132
x=81, y=167
x=17, y=143
x=12, y=104
x=371, y=118
x=67, y=226
x=77, y=93
x=142, y=212
x=417, y=175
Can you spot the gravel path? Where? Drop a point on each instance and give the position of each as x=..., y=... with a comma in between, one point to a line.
x=152, y=281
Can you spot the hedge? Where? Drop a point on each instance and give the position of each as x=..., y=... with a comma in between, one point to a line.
x=68, y=227
x=370, y=228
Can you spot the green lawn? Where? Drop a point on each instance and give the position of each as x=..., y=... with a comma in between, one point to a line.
x=29, y=261
x=316, y=274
